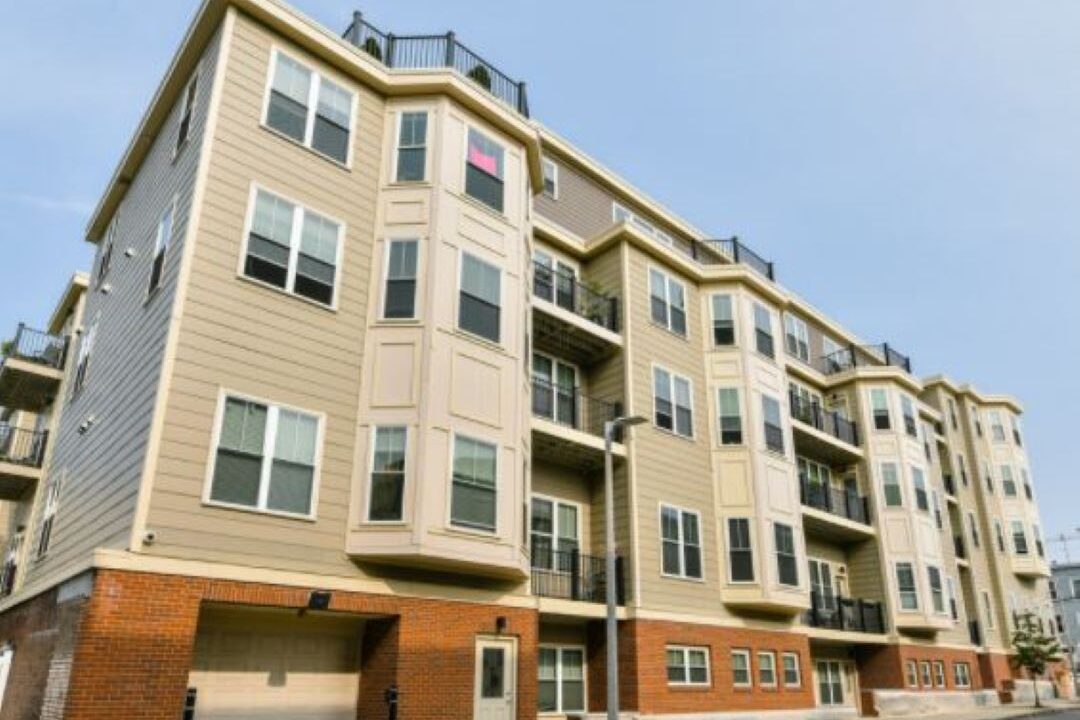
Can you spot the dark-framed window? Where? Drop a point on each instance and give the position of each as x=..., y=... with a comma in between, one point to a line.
x=480, y=297
x=740, y=550
x=680, y=539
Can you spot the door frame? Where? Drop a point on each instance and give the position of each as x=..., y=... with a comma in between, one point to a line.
x=505, y=641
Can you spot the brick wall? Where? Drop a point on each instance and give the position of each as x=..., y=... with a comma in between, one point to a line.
x=882, y=667
x=31, y=629
x=135, y=649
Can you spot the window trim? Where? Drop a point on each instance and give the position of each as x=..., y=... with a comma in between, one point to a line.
x=83, y=356
x=685, y=651
x=743, y=652
x=731, y=549
x=406, y=467
x=462, y=252
x=294, y=252
x=899, y=484
x=559, y=648
x=939, y=674
x=925, y=674
x=733, y=305
x=669, y=280
x=672, y=377
x=384, y=286
x=911, y=673
x=49, y=510
x=937, y=594
x=798, y=669
x=914, y=591
x=783, y=449
x=796, y=328
x=451, y=526
x=579, y=529
x=224, y=394
x=276, y=51
x=956, y=675
x=546, y=162
x=720, y=417
x=761, y=668
x=681, y=575
x=887, y=407
x=492, y=137
x=794, y=555
x=152, y=292
x=400, y=113
x=755, y=305
x=916, y=471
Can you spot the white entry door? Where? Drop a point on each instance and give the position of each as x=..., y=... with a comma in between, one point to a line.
x=496, y=679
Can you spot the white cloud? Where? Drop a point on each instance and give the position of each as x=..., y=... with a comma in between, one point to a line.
x=42, y=202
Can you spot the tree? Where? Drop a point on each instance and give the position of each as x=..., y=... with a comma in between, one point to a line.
x=1034, y=649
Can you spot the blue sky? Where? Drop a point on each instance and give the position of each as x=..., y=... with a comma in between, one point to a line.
x=911, y=166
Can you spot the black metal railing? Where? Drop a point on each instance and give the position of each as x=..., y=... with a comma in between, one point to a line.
x=574, y=576
x=854, y=356
x=732, y=250
x=950, y=484
x=570, y=407
x=829, y=422
x=834, y=612
x=418, y=52
x=22, y=447
x=959, y=547
x=975, y=632
x=37, y=347
x=844, y=502
x=567, y=292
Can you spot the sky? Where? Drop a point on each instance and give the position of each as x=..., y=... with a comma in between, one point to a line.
x=911, y=166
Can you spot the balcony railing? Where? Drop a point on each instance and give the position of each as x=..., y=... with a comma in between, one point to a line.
x=837, y=501
x=829, y=422
x=724, y=252
x=22, y=447
x=36, y=347
x=834, y=612
x=570, y=407
x=420, y=52
x=564, y=290
x=855, y=356
x=959, y=548
x=574, y=576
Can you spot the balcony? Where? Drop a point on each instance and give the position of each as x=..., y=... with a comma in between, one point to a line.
x=950, y=484
x=833, y=612
x=856, y=356
x=21, y=455
x=573, y=321
x=726, y=252
x=568, y=426
x=427, y=52
x=975, y=633
x=573, y=576
x=32, y=369
x=834, y=512
x=823, y=434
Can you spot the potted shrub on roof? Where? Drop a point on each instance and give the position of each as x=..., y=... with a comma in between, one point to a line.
x=371, y=47
x=480, y=75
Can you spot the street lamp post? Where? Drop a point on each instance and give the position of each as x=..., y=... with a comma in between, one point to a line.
x=610, y=427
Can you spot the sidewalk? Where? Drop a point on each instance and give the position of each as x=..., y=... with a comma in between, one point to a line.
x=1049, y=709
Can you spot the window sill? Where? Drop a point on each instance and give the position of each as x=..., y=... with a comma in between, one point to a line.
x=672, y=433
x=423, y=184
x=484, y=207
x=479, y=340
x=259, y=511
x=690, y=687
x=684, y=578
x=669, y=331
x=293, y=296
x=346, y=166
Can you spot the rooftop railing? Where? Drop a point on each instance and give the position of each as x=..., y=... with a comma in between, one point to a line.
x=835, y=612
x=570, y=575
x=854, y=356
x=570, y=407
x=567, y=292
x=836, y=501
x=37, y=347
x=723, y=252
x=22, y=447
x=829, y=422
x=420, y=52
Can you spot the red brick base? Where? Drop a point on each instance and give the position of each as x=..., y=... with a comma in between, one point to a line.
x=884, y=667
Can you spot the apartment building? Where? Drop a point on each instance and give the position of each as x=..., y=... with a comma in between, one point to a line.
x=324, y=430
x=1065, y=593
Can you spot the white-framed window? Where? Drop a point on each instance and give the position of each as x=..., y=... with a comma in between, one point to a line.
x=667, y=301
x=890, y=484
x=973, y=525
x=740, y=551
x=976, y=422
x=766, y=661
x=939, y=674
x=105, y=261
x=680, y=541
x=729, y=416
x=988, y=610
x=740, y=669
x=47, y=523
x=292, y=248
x=187, y=108
x=792, y=670
x=480, y=298
x=796, y=337
x=787, y=565
x=555, y=390
x=831, y=680
x=1026, y=479
x=763, y=335
x=918, y=481
x=1008, y=482
x=773, y=425
x=935, y=504
x=308, y=108
x=997, y=427
x=723, y=320
x=412, y=146
x=989, y=477
x=879, y=407
x=906, y=587
x=82, y=360
x=924, y=670
x=954, y=607
x=562, y=679
x=999, y=534
x=620, y=213
x=474, y=487
x=484, y=170
x=911, y=673
x=266, y=457
x=907, y=409
x=673, y=407
x=822, y=589
x=551, y=178
x=1020, y=543
x=162, y=240
x=554, y=533
x=937, y=590
x=7, y=656
x=687, y=665
x=399, y=292
x=1017, y=437
x=386, y=498
x=555, y=280
x=962, y=674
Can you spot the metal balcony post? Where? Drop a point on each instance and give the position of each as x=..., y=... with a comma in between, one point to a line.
x=354, y=31
x=451, y=47
x=620, y=580
x=575, y=574
x=522, y=104
x=389, y=59
x=18, y=339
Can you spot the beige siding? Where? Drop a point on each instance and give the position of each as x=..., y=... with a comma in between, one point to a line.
x=241, y=337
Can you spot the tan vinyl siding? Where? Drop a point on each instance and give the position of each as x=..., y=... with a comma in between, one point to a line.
x=583, y=207
x=104, y=466
x=259, y=342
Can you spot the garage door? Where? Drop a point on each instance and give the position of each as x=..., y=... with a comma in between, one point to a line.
x=273, y=665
